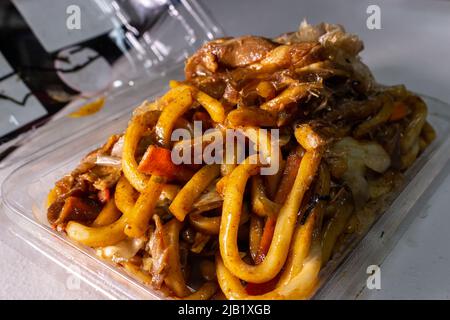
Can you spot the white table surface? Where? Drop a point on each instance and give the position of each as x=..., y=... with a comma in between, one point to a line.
x=413, y=47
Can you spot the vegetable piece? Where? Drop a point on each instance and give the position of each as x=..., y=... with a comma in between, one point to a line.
x=255, y=234
x=288, y=178
x=78, y=209
x=123, y=250
x=358, y=156
x=287, y=181
x=208, y=200
x=158, y=161
x=200, y=242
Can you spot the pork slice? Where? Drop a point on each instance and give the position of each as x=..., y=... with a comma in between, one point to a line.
x=227, y=53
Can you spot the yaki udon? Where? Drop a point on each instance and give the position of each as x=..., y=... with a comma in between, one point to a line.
x=213, y=230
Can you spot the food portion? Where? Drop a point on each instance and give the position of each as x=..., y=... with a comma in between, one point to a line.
x=201, y=229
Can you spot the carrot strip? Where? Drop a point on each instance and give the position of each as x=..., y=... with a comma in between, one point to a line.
x=288, y=178
x=286, y=183
x=400, y=111
x=266, y=239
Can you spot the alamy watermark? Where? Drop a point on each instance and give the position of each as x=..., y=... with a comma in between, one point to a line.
x=374, y=279
x=73, y=281
x=373, y=21
x=73, y=21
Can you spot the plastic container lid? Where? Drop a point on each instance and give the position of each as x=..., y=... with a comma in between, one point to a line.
x=179, y=28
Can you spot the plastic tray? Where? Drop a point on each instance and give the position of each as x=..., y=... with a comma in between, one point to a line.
x=39, y=171
x=57, y=148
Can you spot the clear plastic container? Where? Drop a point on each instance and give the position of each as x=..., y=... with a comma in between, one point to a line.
x=57, y=148
x=149, y=53
x=346, y=276
x=27, y=209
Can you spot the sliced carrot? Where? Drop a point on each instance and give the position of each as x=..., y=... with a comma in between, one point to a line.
x=400, y=111
x=158, y=161
x=288, y=178
x=266, y=239
x=286, y=183
x=78, y=209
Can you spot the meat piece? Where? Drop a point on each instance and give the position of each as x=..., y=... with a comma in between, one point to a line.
x=102, y=177
x=73, y=209
x=282, y=60
x=338, y=45
x=227, y=53
x=54, y=210
x=213, y=85
x=353, y=110
x=329, y=35
x=90, y=160
x=243, y=51
x=84, y=183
